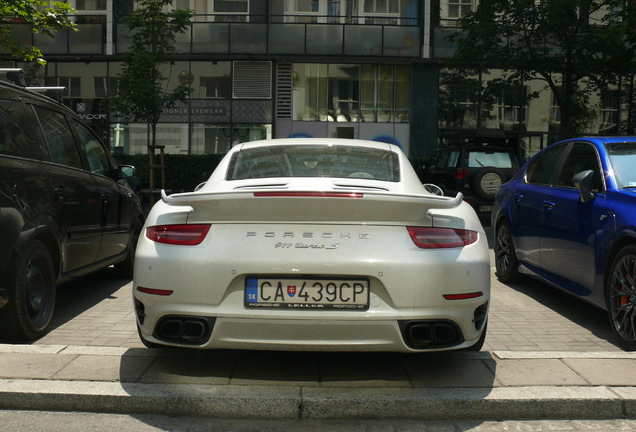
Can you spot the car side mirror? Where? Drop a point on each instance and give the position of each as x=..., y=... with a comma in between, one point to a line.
x=433, y=188
x=583, y=182
x=126, y=171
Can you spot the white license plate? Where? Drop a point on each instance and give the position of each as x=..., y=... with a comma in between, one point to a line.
x=307, y=293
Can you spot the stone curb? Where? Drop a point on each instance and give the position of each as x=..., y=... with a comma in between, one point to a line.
x=289, y=402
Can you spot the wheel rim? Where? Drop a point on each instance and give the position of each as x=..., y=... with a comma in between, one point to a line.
x=37, y=291
x=622, y=298
x=503, y=249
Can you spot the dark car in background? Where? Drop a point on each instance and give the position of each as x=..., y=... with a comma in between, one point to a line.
x=477, y=171
x=65, y=208
x=568, y=218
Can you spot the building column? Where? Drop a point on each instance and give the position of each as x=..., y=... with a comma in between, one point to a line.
x=424, y=99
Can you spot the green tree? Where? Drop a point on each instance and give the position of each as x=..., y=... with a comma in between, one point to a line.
x=142, y=93
x=45, y=18
x=576, y=47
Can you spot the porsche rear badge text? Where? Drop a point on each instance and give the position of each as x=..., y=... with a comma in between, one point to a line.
x=307, y=245
x=308, y=235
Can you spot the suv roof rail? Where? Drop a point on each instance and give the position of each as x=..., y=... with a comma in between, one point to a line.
x=46, y=88
x=14, y=75
x=54, y=92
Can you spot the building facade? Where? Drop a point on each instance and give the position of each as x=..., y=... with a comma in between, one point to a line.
x=367, y=69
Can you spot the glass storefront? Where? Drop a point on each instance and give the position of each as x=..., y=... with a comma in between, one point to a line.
x=338, y=100
x=351, y=93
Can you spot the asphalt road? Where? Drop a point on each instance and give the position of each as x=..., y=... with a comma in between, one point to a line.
x=41, y=421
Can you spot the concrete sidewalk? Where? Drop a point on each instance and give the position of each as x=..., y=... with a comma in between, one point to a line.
x=494, y=385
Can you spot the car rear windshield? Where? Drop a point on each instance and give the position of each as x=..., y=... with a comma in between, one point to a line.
x=315, y=161
x=622, y=156
x=497, y=159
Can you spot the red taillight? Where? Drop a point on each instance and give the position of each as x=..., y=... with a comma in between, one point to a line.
x=461, y=173
x=310, y=194
x=154, y=291
x=184, y=235
x=436, y=238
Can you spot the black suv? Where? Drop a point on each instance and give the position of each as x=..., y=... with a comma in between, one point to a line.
x=475, y=171
x=65, y=208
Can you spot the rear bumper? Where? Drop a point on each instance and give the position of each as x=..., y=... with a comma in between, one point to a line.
x=316, y=335
x=195, y=288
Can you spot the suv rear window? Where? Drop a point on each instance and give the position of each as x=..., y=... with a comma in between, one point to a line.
x=16, y=140
x=478, y=159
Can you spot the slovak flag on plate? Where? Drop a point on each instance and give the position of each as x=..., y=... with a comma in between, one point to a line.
x=291, y=290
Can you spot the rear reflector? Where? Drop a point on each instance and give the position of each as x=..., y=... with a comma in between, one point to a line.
x=184, y=235
x=310, y=194
x=463, y=296
x=153, y=291
x=436, y=238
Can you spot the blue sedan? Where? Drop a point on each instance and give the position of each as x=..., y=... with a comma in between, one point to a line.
x=568, y=217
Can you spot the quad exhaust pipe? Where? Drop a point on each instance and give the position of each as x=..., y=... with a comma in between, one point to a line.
x=184, y=330
x=431, y=334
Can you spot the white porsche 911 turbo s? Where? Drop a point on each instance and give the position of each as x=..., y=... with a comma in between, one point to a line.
x=313, y=245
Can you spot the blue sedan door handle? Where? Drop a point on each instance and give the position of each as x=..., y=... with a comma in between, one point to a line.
x=548, y=204
x=518, y=197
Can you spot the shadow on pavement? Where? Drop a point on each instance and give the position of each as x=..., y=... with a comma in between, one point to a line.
x=309, y=376
x=574, y=309
x=79, y=295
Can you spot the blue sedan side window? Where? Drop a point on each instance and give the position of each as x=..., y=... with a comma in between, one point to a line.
x=542, y=169
x=582, y=157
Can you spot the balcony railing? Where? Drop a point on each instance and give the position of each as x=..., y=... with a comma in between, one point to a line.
x=330, y=38
x=90, y=39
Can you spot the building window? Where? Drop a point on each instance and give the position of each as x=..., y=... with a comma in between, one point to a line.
x=458, y=107
x=315, y=11
x=381, y=11
x=310, y=83
x=350, y=93
x=89, y=5
x=72, y=85
x=512, y=107
x=555, y=111
x=610, y=102
x=211, y=80
x=344, y=93
x=230, y=10
x=456, y=9
x=105, y=86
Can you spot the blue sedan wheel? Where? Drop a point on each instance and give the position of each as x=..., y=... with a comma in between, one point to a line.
x=505, y=254
x=621, y=298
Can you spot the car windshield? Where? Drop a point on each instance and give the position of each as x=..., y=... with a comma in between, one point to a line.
x=315, y=161
x=622, y=156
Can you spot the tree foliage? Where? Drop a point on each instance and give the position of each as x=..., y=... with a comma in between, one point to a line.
x=142, y=88
x=575, y=47
x=45, y=18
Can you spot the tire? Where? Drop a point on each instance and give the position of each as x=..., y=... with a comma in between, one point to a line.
x=487, y=182
x=505, y=254
x=620, y=294
x=125, y=268
x=32, y=296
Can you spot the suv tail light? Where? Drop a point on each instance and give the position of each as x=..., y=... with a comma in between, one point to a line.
x=183, y=235
x=440, y=238
x=461, y=173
